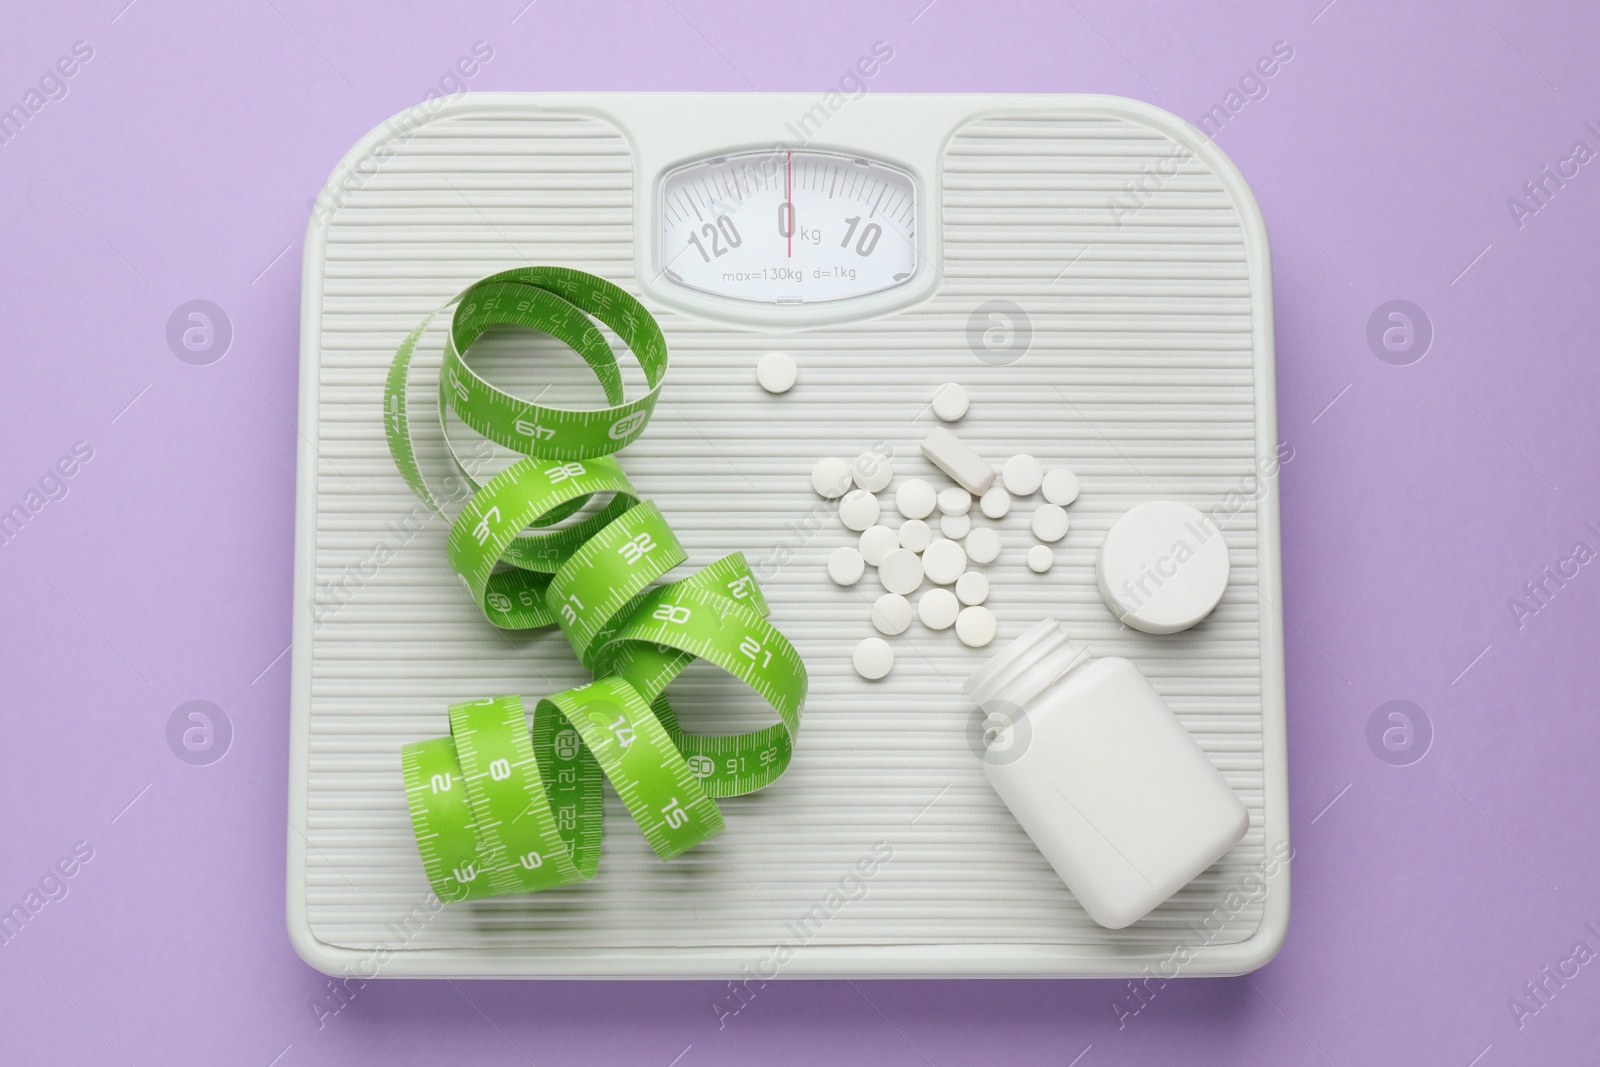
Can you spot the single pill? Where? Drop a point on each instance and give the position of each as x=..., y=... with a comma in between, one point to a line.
x=954, y=501
x=877, y=542
x=1040, y=559
x=975, y=626
x=938, y=608
x=950, y=402
x=1061, y=487
x=972, y=588
x=955, y=527
x=775, y=372
x=1022, y=475
x=845, y=566
x=915, y=534
x=858, y=510
x=1163, y=567
x=983, y=545
x=964, y=466
x=873, y=472
x=943, y=561
x=901, y=571
x=995, y=503
x=915, y=499
x=891, y=614
x=831, y=477
x=1049, y=522
x=872, y=658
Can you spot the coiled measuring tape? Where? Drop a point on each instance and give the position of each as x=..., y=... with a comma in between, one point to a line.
x=501, y=808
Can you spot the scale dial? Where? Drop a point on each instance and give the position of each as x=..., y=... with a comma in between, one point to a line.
x=784, y=227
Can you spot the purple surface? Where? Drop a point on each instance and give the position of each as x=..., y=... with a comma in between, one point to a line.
x=1421, y=499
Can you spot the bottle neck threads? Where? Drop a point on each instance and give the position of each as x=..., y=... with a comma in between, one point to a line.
x=1026, y=667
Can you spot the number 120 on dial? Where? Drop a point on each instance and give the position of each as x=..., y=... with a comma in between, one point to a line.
x=783, y=227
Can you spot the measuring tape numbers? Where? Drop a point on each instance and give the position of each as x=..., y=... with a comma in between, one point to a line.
x=502, y=807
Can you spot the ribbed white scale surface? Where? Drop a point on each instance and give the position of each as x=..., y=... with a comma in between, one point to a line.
x=1139, y=377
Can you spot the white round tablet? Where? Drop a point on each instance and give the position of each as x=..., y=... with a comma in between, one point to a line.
x=915, y=499
x=877, y=542
x=831, y=477
x=943, y=561
x=859, y=510
x=955, y=527
x=996, y=502
x=972, y=588
x=1163, y=567
x=1040, y=559
x=1022, y=475
x=891, y=614
x=954, y=501
x=775, y=372
x=845, y=566
x=901, y=571
x=872, y=658
x=938, y=608
x=915, y=534
x=950, y=402
x=1049, y=522
x=975, y=626
x=1061, y=486
x=983, y=545
x=873, y=472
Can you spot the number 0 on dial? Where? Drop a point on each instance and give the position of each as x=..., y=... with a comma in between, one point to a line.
x=784, y=227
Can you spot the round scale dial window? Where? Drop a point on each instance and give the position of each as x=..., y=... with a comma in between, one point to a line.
x=782, y=227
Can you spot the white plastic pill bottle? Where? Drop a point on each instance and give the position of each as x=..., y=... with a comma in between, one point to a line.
x=1101, y=774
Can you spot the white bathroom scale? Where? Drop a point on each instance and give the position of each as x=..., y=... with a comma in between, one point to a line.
x=1093, y=272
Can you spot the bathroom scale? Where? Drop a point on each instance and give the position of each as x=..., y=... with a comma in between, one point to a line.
x=1093, y=272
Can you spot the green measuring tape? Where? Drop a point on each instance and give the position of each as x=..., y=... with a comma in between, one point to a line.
x=497, y=806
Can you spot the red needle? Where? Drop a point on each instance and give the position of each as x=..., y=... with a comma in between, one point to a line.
x=788, y=195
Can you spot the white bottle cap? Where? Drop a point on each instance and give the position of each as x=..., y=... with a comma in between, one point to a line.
x=1163, y=566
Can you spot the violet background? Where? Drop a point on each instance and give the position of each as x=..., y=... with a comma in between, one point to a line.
x=180, y=166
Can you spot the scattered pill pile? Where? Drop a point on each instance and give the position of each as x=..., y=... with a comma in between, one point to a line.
x=1162, y=567
x=933, y=538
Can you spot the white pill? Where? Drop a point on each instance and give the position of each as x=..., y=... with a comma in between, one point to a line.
x=995, y=503
x=972, y=588
x=873, y=472
x=915, y=499
x=915, y=534
x=950, y=402
x=901, y=571
x=975, y=626
x=775, y=372
x=1163, y=567
x=943, y=561
x=954, y=501
x=877, y=542
x=891, y=614
x=845, y=566
x=938, y=608
x=872, y=658
x=858, y=510
x=1049, y=522
x=831, y=477
x=983, y=545
x=1040, y=559
x=1022, y=475
x=1061, y=486
x=955, y=527
x=964, y=466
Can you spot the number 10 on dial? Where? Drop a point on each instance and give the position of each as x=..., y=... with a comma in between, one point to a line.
x=788, y=227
